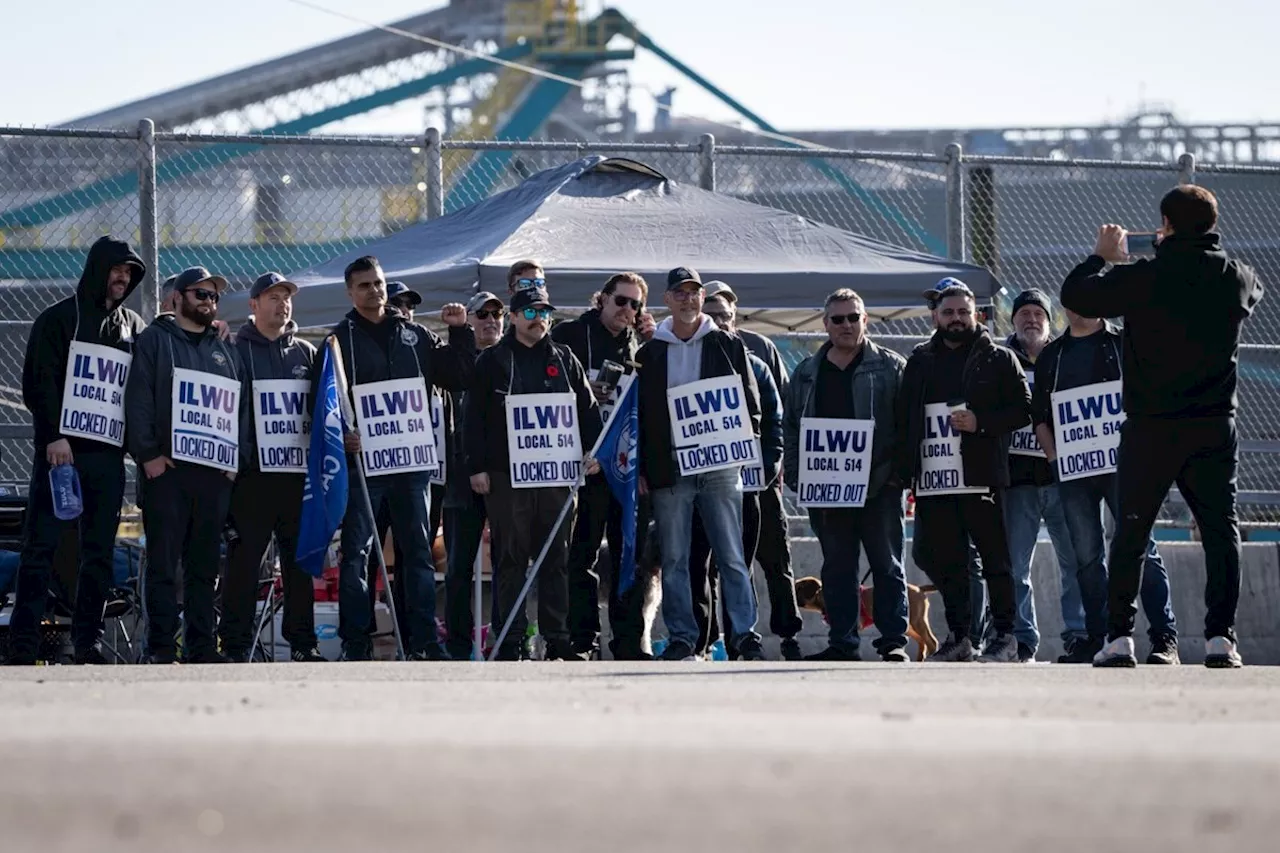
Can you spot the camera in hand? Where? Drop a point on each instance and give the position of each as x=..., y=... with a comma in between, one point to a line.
x=610, y=375
x=1140, y=244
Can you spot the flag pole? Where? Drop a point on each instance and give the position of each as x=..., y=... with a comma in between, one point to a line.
x=348, y=416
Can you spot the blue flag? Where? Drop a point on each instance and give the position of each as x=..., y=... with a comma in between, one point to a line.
x=617, y=456
x=324, y=498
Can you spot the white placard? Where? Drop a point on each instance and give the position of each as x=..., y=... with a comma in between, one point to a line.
x=711, y=426
x=1086, y=425
x=282, y=423
x=753, y=475
x=1024, y=442
x=835, y=461
x=543, y=440
x=395, y=427
x=941, y=470
x=93, y=393
x=206, y=419
x=437, y=427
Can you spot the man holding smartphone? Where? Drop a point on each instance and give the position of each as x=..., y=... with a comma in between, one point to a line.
x=1182, y=314
x=604, y=334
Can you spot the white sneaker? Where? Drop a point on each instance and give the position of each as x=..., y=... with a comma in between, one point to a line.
x=1221, y=653
x=1117, y=653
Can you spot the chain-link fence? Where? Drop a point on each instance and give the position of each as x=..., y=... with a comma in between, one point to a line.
x=244, y=204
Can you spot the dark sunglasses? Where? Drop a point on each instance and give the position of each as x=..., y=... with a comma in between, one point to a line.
x=841, y=319
x=532, y=313
x=623, y=301
x=490, y=313
x=526, y=283
x=205, y=295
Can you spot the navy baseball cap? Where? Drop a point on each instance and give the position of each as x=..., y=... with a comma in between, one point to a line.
x=680, y=275
x=167, y=287
x=268, y=280
x=531, y=296
x=192, y=276
x=396, y=289
x=947, y=287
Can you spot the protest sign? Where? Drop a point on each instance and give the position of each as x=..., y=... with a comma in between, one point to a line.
x=753, y=475
x=543, y=440
x=711, y=426
x=1086, y=425
x=282, y=424
x=835, y=461
x=395, y=427
x=437, y=427
x=1024, y=442
x=941, y=470
x=93, y=393
x=206, y=419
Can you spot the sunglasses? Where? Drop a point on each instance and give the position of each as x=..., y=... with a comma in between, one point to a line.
x=537, y=313
x=490, y=313
x=841, y=319
x=205, y=295
x=623, y=301
x=718, y=316
x=526, y=283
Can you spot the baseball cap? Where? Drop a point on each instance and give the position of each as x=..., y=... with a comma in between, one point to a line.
x=268, y=280
x=396, y=289
x=531, y=296
x=719, y=288
x=192, y=276
x=1034, y=296
x=680, y=275
x=949, y=287
x=167, y=287
x=480, y=300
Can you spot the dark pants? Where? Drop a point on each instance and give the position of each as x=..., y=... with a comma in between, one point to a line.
x=773, y=552
x=599, y=515
x=463, y=533
x=434, y=515
x=101, y=489
x=521, y=520
x=183, y=514
x=704, y=575
x=626, y=610
x=1201, y=456
x=844, y=534
x=944, y=526
x=263, y=505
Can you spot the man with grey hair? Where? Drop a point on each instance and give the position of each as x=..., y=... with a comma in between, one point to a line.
x=850, y=380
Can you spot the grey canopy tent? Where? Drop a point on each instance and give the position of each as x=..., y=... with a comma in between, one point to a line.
x=588, y=219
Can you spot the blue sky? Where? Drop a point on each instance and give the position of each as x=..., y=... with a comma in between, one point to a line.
x=802, y=64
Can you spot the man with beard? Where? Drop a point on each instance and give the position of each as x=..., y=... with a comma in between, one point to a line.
x=464, y=510
x=962, y=396
x=1032, y=494
x=191, y=429
x=1089, y=354
x=78, y=420
x=267, y=497
x=525, y=493
x=389, y=365
x=604, y=333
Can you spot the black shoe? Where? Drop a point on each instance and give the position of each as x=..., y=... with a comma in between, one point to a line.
x=954, y=650
x=211, y=656
x=91, y=656
x=21, y=659
x=791, y=649
x=432, y=653
x=356, y=653
x=1026, y=654
x=895, y=655
x=161, y=658
x=511, y=654
x=564, y=651
x=309, y=655
x=1083, y=651
x=834, y=653
x=678, y=650
x=750, y=649
x=1164, y=651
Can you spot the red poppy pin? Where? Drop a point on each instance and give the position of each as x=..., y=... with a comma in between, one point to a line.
x=553, y=371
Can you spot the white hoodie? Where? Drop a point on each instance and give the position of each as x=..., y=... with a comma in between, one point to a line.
x=684, y=358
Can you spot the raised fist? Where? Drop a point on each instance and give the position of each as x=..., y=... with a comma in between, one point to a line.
x=454, y=314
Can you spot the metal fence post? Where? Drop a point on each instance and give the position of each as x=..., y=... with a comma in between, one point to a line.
x=435, y=174
x=980, y=207
x=1187, y=168
x=955, y=202
x=707, y=162
x=149, y=236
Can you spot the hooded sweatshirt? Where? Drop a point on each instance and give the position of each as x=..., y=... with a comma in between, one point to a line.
x=287, y=357
x=83, y=317
x=684, y=358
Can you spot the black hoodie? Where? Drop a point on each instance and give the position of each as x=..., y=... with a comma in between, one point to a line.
x=82, y=317
x=1182, y=314
x=287, y=357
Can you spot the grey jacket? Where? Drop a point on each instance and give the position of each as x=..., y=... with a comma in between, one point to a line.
x=876, y=382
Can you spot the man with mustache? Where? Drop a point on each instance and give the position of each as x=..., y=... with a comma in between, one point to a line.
x=962, y=396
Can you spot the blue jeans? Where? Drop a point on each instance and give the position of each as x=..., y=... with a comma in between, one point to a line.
x=409, y=501
x=1082, y=502
x=718, y=498
x=843, y=534
x=1024, y=508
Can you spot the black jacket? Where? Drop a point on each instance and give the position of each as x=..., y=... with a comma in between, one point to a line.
x=148, y=398
x=287, y=357
x=767, y=351
x=1106, y=369
x=509, y=367
x=1182, y=314
x=723, y=354
x=592, y=343
x=82, y=317
x=1028, y=470
x=996, y=391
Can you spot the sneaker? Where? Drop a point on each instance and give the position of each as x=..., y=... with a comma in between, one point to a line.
x=1164, y=651
x=311, y=655
x=895, y=655
x=1068, y=648
x=431, y=653
x=1117, y=653
x=835, y=654
x=161, y=658
x=678, y=650
x=791, y=649
x=1083, y=651
x=1026, y=654
x=91, y=656
x=954, y=650
x=1221, y=653
x=750, y=649
x=356, y=653
x=558, y=651
x=1003, y=649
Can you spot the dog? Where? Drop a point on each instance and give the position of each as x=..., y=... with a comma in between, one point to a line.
x=809, y=597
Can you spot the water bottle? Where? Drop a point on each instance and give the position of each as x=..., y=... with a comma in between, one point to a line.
x=65, y=483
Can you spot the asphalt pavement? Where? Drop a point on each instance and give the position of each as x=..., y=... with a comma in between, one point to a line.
x=613, y=757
